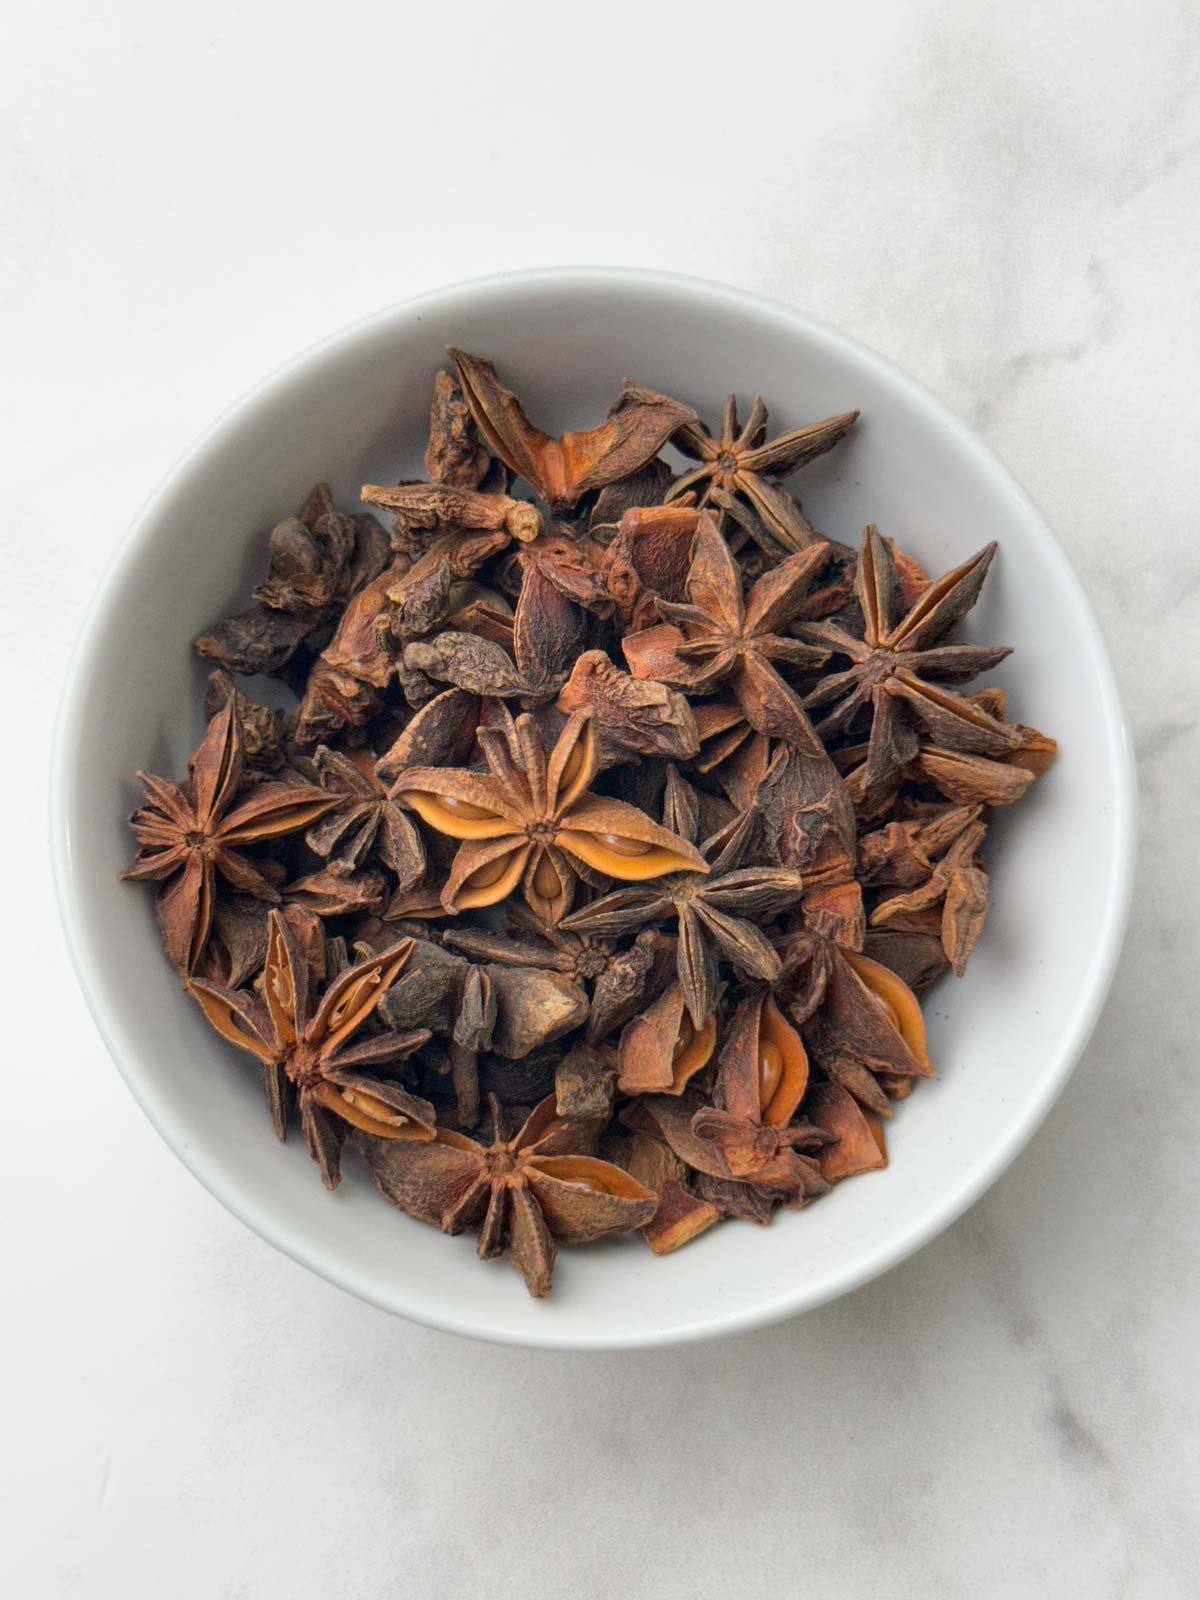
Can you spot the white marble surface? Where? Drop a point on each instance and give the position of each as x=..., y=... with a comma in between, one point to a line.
x=1001, y=197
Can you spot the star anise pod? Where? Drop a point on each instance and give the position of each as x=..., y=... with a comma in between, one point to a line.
x=632, y=716
x=860, y=1143
x=648, y=561
x=305, y=1049
x=561, y=471
x=532, y=825
x=318, y=560
x=421, y=508
x=761, y=1080
x=263, y=738
x=189, y=835
x=529, y=657
x=903, y=852
x=749, y=1136
x=346, y=686
x=662, y=1050
x=480, y=1005
x=806, y=822
x=718, y=637
x=900, y=668
x=547, y=633
x=421, y=599
x=523, y=1193
x=681, y=1215
x=364, y=823
x=332, y=893
x=619, y=980
x=861, y=1023
x=742, y=462
x=440, y=734
x=720, y=912
x=453, y=455
x=953, y=896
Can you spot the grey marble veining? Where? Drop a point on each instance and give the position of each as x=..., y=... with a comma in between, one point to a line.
x=1004, y=200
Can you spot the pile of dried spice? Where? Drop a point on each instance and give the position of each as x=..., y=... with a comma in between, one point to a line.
x=621, y=821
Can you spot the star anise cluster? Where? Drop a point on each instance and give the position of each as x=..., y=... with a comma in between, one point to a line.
x=617, y=824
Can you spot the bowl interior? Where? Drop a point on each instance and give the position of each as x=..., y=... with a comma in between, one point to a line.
x=354, y=410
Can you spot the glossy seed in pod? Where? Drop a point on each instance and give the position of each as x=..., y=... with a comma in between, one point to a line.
x=623, y=847
x=462, y=808
x=545, y=879
x=491, y=872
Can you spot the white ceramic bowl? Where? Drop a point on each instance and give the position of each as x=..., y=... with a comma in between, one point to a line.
x=353, y=410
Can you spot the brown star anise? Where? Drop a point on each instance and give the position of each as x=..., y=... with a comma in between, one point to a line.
x=305, y=1047
x=662, y=1050
x=861, y=1022
x=453, y=455
x=318, y=560
x=719, y=912
x=719, y=637
x=748, y=1138
x=545, y=635
x=899, y=668
x=902, y=853
x=681, y=1215
x=563, y=470
x=619, y=980
x=648, y=561
x=761, y=1080
x=860, y=1144
x=533, y=824
x=420, y=508
x=740, y=462
x=953, y=898
x=523, y=1193
x=186, y=836
x=480, y=1005
x=346, y=686
x=364, y=822
x=632, y=716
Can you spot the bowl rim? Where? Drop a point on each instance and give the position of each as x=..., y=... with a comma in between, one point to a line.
x=1088, y=1000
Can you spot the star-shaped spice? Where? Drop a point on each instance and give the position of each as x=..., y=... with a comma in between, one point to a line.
x=421, y=508
x=453, y=455
x=364, y=823
x=306, y=1049
x=952, y=900
x=761, y=1080
x=860, y=1020
x=718, y=637
x=523, y=1193
x=546, y=634
x=563, y=470
x=748, y=1137
x=537, y=825
x=481, y=1006
x=900, y=666
x=632, y=716
x=346, y=686
x=188, y=835
x=861, y=1145
x=618, y=979
x=662, y=1050
x=903, y=852
x=742, y=462
x=721, y=912
x=317, y=560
